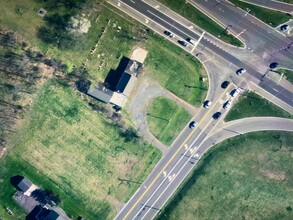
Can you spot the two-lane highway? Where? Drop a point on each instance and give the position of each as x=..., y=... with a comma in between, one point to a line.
x=171, y=170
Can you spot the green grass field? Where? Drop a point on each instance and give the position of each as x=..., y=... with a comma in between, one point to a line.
x=200, y=19
x=166, y=119
x=78, y=153
x=287, y=74
x=176, y=70
x=247, y=177
x=162, y=58
x=253, y=105
x=271, y=17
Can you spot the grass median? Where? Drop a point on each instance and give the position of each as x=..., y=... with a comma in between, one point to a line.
x=253, y=105
x=244, y=177
x=92, y=164
x=166, y=119
x=287, y=74
x=203, y=21
x=270, y=17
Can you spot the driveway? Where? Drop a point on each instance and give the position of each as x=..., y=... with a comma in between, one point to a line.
x=146, y=90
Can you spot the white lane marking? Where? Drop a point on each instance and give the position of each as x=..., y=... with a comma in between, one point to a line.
x=241, y=33
x=275, y=90
x=132, y=1
x=163, y=181
x=197, y=42
x=191, y=156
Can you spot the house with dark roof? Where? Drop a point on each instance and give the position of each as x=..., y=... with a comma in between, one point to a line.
x=41, y=213
x=118, y=84
x=26, y=186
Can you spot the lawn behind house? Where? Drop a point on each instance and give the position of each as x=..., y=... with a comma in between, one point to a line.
x=246, y=177
x=166, y=119
x=271, y=17
x=253, y=105
x=64, y=145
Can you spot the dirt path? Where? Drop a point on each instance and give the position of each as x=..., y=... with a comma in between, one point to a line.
x=147, y=89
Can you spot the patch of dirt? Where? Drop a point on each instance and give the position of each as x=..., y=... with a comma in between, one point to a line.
x=273, y=176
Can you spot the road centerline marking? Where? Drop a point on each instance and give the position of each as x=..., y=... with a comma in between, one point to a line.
x=175, y=154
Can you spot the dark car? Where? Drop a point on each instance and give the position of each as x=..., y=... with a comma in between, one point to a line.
x=284, y=27
x=217, y=115
x=183, y=43
x=192, y=124
x=168, y=33
x=274, y=65
x=207, y=104
x=225, y=84
x=240, y=71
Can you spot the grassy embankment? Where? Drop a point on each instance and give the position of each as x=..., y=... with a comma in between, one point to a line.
x=197, y=17
x=287, y=74
x=253, y=105
x=271, y=17
x=246, y=177
x=286, y=1
x=79, y=154
x=166, y=119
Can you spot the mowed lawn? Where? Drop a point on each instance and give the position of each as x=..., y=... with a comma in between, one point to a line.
x=166, y=119
x=247, y=177
x=253, y=105
x=176, y=70
x=86, y=158
x=271, y=17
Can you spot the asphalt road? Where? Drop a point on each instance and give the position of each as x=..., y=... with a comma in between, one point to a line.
x=190, y=145
x=264, y=41
x=184, y=32
x=274, y=5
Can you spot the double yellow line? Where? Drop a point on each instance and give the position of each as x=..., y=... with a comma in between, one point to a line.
x=175, y=154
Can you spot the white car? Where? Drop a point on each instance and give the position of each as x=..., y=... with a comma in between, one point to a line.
x=235, y=92
x=227, y=104
x=240, y=71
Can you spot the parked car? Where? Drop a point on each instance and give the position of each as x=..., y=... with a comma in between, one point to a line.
x=227, y=104
x=234, y=92
x=183, y=43
x=207, y=104
x=192, y=124
x=190, y=41
x=225, y=84
x=217, y=115
x=169, y=34
x=240, y=71
x=284, y=27
x=274, y=65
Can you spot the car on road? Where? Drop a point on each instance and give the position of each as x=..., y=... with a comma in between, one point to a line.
x=240, y=71
x=284, y=27
x=227, y=104
x=274, y=65
x=217, y=115
x=190, y=41
x=192, y=124
x=168, y=33
x=234, y=92
x=207, y=104
x=183, y=43
x=225, y=84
